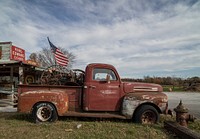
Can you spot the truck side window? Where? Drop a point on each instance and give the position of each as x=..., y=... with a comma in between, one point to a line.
x=99, y=74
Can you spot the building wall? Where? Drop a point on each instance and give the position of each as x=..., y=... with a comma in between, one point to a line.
x=5, y=50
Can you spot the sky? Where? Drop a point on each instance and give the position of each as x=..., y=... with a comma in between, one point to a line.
x=139, y=37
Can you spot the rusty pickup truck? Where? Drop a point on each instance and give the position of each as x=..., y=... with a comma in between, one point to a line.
x=102, y=94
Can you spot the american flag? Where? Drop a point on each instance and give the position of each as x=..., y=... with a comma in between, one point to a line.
x=60, y=58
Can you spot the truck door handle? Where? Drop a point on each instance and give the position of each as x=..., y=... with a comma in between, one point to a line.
x=92, y=86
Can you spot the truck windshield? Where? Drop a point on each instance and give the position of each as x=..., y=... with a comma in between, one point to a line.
x=100, y=74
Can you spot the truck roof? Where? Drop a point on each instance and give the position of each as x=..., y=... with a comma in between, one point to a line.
x=100, y=65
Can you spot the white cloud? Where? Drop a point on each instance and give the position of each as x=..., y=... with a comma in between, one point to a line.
x=138, y=37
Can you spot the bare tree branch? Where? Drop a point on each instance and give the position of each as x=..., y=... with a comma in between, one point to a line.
x=46, y=58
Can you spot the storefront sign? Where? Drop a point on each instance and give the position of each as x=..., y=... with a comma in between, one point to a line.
x=17, y=54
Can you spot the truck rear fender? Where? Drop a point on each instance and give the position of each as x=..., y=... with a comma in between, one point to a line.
x=53, y=103
x=61, y=108
x=134, y=101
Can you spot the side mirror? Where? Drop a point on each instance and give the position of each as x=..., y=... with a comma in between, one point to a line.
x=108, y=78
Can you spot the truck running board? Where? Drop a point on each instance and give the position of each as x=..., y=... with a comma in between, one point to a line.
x=94, y=115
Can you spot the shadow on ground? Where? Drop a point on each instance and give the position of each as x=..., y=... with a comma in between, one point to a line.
x=16, y=116
x=29, y=118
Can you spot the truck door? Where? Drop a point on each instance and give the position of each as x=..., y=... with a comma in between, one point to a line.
x=103, y=95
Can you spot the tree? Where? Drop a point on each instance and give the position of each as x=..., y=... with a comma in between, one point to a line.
x=33, y=57
x=192, y=84
x=46, y=58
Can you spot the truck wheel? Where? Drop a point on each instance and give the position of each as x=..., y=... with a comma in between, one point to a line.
x=146, y=115
x=44, y=112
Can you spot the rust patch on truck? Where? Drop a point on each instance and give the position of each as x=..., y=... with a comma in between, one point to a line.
x=43, y=92
x=133, y=100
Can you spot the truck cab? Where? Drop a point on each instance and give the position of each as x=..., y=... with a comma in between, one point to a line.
x=101, y=94
x=102, y=88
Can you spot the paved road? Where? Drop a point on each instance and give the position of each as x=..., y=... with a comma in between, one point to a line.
x=8, y=109
x=190, y=101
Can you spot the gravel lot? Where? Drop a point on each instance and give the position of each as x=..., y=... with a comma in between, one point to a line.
x=8, y=109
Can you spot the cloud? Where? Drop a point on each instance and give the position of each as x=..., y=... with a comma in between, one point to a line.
x=138, y=37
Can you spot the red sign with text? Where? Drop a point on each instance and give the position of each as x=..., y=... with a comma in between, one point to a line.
x=17, y=54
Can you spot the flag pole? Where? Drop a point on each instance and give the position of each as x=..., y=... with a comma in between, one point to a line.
x=59, y=56
x=53, y=53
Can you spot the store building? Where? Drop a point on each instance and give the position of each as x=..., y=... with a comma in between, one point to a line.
x=15, y=69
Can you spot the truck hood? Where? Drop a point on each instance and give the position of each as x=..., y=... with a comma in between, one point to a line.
x=141, y=87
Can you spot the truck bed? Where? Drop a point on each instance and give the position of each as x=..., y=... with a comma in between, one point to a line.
x=74, y=93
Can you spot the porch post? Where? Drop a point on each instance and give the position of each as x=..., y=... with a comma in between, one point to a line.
x=11, y=79
x=21, y=75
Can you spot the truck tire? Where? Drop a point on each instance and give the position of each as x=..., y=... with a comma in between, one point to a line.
x=146, y=115
x=44, y=112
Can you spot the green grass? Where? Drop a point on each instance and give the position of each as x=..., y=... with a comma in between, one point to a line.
x=166, y=88
x=20, y=126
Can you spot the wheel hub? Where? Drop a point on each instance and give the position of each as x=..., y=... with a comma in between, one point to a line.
x=44, y=113
x=148, y=117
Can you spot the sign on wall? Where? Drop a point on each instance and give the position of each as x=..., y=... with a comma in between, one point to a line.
x=17, y=54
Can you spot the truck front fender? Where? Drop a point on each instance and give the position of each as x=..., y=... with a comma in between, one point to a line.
x=132, y=101
x=27, y=100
